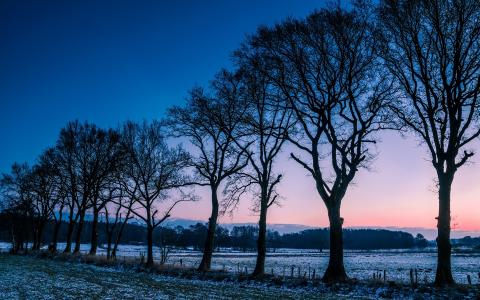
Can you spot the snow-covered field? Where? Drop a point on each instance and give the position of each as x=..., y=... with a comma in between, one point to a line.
x=30, y=278
x=359, y=264
x=27, y=277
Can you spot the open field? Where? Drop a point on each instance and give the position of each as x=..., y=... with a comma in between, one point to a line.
x=359, y=264
x=31, y=278
x=26, y=277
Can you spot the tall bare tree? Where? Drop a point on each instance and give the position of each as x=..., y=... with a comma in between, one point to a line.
x=62, y=200
x=68, y=165
x=151, y=171
x=432, y=50
x=326, y=68
x=117, y=210
x=61, y=195
x=261, y=134
x=209, y=122
x=108, y=161
x=117, y=214
x=43, y=187
x=86, y=155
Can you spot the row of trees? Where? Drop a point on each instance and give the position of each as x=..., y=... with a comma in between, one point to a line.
x=326, y=85
x=121, y=173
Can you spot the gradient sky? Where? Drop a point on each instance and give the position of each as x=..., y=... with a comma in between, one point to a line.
x=109, y=61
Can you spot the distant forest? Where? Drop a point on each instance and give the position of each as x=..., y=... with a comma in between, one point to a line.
x=241, y=238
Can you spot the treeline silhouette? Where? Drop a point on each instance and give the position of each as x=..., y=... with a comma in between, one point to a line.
x=242, y=238
x=327, y=85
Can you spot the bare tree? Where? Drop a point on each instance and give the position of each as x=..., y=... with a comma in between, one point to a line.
x=115, y=222
x=61, y=190
x=108, y=160
x=17, y=204
x=326, y=68
x=152, y=170
x=92, y=159
x=209, y=122
x=431, y=49
x=86, y=156
x=127, y=215
x=58, y=219
x=42, y=181
x=261, y=135
x=68, y=165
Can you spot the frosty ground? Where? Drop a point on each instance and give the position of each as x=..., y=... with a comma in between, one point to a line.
x=360, y=264
x=26, y=277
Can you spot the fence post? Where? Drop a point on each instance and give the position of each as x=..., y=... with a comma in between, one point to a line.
x=411, y=277
x=384, y=275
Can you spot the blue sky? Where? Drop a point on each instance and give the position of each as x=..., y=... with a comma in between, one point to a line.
x=108, y=61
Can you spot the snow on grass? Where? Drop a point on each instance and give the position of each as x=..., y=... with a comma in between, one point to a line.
x=360, y=264
x=24, y=277
x=30, y=278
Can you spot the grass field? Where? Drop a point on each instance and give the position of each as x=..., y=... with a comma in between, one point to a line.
x=27, y=277
x=32, y=278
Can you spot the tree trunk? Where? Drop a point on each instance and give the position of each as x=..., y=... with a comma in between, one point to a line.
x=206, y=262
x=109, y=244
x=35, y=236
x=335, y=271
x=149, y=245
x=78, y=238
x=119, y=237
x=114, y=252
x=71, y=224
x=56, y=230
x=68, y=247
x=39, y=237
x=94, y=237
x=444, y=249
x=261, y=241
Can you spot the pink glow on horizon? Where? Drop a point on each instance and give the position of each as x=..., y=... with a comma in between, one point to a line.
x=399, y=192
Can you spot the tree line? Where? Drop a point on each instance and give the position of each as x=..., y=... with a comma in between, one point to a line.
x=240, y=238
x=326, y=85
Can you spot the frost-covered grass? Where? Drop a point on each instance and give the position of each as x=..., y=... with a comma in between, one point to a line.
x=27, y=277
x=359, y=264
x=32, y=278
